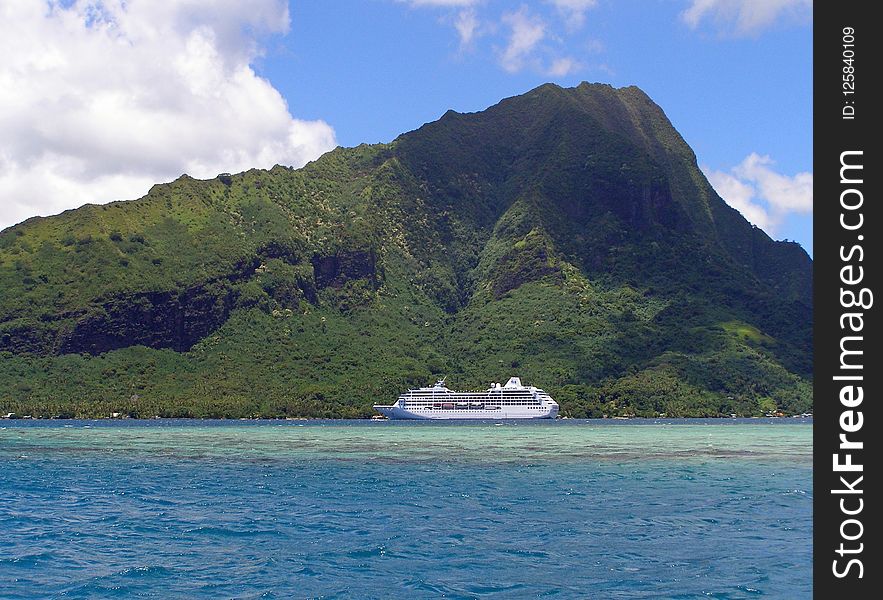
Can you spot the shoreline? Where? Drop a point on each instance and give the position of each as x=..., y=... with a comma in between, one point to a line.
x=790, y=418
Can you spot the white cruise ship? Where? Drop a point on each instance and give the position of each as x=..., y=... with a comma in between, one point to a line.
x=510, y=401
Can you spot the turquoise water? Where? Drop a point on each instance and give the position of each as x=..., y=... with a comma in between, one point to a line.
x=356, y=509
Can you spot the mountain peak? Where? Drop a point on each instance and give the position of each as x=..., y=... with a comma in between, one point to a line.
x=566, y=232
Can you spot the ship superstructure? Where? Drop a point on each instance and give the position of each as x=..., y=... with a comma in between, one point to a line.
x=510, y=401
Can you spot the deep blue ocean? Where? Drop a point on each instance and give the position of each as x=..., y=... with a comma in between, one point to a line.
x=347, y=509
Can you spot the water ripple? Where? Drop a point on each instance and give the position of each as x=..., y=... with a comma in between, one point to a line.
x=380, y=511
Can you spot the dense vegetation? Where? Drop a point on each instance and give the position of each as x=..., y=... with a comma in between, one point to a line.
x=565, y=235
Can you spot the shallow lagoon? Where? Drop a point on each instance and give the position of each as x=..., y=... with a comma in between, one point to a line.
x=275, y=509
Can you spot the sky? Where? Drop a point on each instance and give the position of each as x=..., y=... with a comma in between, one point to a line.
x=101, y=99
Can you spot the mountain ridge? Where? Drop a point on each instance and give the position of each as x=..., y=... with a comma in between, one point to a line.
x=565, y=212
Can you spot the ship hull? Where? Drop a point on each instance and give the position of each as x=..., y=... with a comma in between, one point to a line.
x=397, y=412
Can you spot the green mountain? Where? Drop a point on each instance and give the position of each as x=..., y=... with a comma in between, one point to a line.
x=565, y=236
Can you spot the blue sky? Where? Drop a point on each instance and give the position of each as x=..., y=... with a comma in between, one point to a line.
x=243, y=86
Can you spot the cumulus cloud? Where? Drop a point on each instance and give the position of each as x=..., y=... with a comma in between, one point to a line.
x=746, y=17
x=762, y=195
x=99, y=99
x=741, y=196
x=783, y=193
x=574, y=11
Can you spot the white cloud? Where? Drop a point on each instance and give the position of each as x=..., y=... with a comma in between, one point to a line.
x=466, y=22
x=525, y=47
x=441, y=3
x=562, y=66
x=741, y=196
x=531, y=41
x=594, y=46
x=574, y=11
x=784, y=194
x=99, y=99
x=466, y=25
x=746, y=17
x=762, y=195
x=526, y=32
